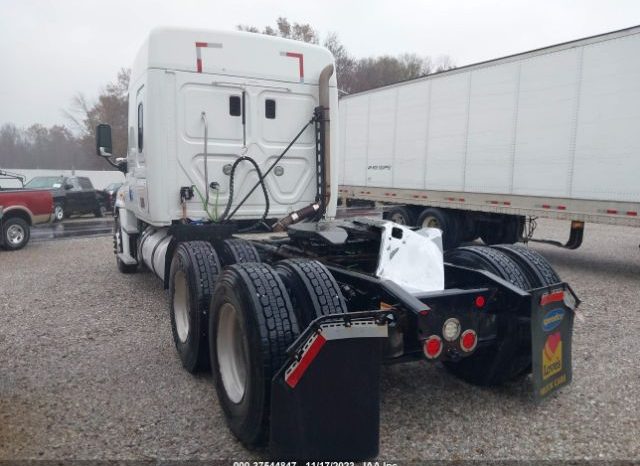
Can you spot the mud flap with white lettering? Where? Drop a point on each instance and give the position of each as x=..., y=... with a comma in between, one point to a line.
x=552, y=314
x=325, y=401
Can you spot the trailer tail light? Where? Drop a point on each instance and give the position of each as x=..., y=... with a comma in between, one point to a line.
x=480, y=301
x=468, y=341
x=433, y=347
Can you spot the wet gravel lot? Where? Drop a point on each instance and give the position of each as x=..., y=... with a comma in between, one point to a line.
x=88, y=369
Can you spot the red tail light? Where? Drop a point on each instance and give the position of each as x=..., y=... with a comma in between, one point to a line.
x=468, y=340
x=432, y=347
x=480, y=301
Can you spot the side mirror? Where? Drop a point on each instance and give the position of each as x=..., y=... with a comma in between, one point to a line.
x=104, y=146
x=68, y=186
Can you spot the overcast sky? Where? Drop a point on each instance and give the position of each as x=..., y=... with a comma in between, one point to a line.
x=52, y=49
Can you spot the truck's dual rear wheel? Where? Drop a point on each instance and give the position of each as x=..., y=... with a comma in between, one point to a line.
x=252, y=324
x=256, y=313
x=194, y=270
x=510, y=355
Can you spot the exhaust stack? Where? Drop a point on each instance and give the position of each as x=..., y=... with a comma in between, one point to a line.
x=324, y=101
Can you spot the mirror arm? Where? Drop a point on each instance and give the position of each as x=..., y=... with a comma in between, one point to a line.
x=120, y=163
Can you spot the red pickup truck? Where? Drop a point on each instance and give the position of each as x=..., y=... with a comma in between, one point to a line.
x=19, y=209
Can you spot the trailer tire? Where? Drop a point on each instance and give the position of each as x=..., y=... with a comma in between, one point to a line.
x=237, y=251
x=508, y=358
x=432, y=217
x=194, y=269
x=15, y=233
x=538, y=270
x=252, y=324
x=401, y=215
x=313, y=290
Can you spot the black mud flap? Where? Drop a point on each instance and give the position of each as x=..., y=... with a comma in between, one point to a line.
x=325, y=400
x=552, y=315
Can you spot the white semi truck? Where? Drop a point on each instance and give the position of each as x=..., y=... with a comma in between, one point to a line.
x=477, y=150
x=230, y=197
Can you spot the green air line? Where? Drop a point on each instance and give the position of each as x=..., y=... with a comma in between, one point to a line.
x=213, y=217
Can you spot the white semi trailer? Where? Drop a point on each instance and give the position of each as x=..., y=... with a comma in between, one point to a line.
x=474, y=151
x=229, y=198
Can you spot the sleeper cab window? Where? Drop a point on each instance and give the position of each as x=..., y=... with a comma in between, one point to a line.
x=235, y=105
x=270, y=109
x=140, y=128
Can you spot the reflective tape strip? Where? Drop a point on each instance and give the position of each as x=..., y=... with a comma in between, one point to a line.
x=311, y=349
x=300, y=58
x=199, y=45
x=327, y=332
x=551, y=297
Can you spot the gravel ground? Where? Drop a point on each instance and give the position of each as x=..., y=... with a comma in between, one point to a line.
x=88, y=370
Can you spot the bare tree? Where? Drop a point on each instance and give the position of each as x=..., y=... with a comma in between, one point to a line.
x=111, y=108
x=356, y=75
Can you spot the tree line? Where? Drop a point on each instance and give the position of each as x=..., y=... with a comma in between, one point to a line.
x=72, y=146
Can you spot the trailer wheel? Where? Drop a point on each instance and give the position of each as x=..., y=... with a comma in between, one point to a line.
x=401, y=215
x=194, y=270
x=534, y=265
x=313, y=290
x=433, y=217
x=15, y=233
x=238, y=251
x=252, y=324
x=508, y=357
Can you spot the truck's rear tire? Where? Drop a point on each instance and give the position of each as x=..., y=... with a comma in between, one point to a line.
x=401, y=215
x=313, y=290
x=15, y=233
x=194, y=270
x=509, y=356
x=432, y=217
x=237, y=251
x=252, y=324
x=534, y=265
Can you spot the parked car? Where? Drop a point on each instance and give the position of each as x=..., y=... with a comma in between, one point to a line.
x=72, y=195
x=111, y=192
x=19, y=209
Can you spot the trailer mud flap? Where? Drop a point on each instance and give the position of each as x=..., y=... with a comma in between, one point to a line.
x=325, y=401
x=552, y=314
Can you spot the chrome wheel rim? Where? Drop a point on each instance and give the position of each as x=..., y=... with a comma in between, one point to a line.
x=231, y=348
x=58, y=213
x=431, y=222
x=181, y=305
x=15, y=234
x=399, y=219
